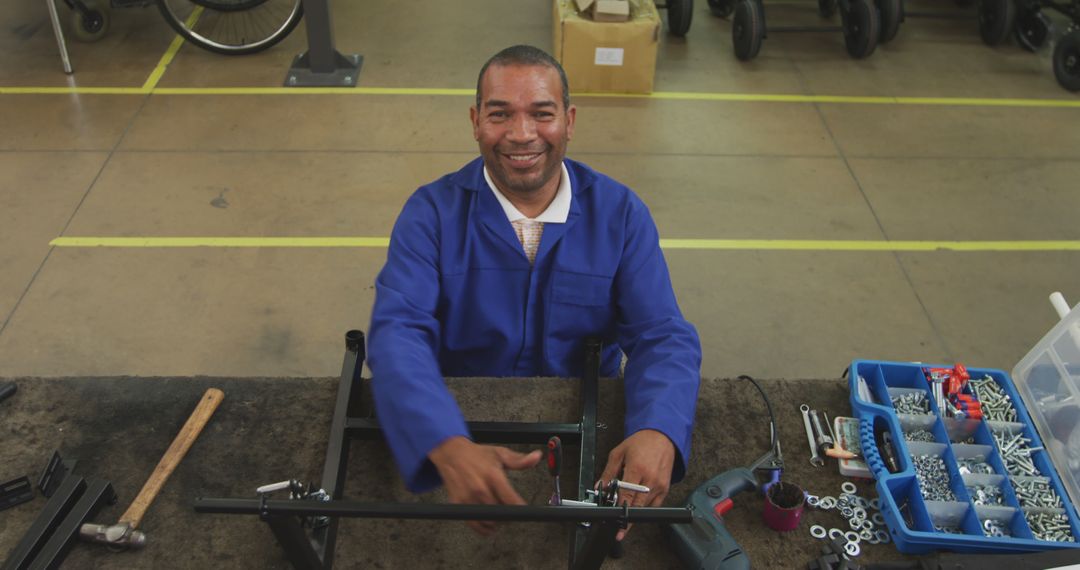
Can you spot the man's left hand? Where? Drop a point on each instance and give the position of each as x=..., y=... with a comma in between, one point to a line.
x=644, y=458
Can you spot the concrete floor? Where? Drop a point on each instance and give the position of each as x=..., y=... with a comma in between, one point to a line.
x=342, y=164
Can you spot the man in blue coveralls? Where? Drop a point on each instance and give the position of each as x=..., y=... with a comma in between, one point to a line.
x=503, y=268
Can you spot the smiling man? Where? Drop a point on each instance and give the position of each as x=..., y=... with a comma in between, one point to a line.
x=503, y=268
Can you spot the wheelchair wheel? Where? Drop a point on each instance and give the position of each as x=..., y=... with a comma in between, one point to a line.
x=861, y=29
x=721, y=8
x=679, y=14
x=91, y=26
x=1033, y=29
x=996, y=18
x=747, y=29
x=1067, y=61
x=232, y=27
x=227, y=6
x=891, y=13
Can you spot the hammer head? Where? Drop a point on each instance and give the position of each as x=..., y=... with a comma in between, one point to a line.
x=120, y=536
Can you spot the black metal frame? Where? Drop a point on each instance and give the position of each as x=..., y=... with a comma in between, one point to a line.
x=311, y=549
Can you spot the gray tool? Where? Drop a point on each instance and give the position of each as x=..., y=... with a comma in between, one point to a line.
x=815, y=457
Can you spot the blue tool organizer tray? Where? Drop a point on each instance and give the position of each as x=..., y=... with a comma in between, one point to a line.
x=913, y=521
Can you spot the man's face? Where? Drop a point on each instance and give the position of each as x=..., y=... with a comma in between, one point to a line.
x=522, y=127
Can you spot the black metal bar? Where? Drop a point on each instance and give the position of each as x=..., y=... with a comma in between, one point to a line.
x=51, y=516
x=98, y=494
x=293, y=538
x=601, y=539
x=590, y=393
x=322, y=65
x=320, y=35
x=440, y=511
x=337, y=447
x=484, y=432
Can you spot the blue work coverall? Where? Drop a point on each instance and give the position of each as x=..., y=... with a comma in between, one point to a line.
x=458, y=297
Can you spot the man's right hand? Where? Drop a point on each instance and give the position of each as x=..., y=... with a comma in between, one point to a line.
x=476, y=474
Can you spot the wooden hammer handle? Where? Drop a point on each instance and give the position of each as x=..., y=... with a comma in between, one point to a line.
x=180, y=446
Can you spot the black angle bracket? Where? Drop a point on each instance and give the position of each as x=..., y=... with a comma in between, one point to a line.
x=15, y=492
x=54, y=473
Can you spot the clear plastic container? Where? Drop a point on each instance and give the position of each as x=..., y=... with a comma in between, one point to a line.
x=1048, y=379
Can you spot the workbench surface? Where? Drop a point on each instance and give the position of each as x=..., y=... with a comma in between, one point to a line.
x=272, y=429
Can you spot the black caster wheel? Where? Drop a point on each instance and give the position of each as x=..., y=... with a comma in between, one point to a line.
x=861, y=29
x=891, y=13
x=91, y=26
x=996, y=19
x=747, y=29
x=721, y=8
x=826, y=8
x=679, y=14
x=1033, y=29
x=1067, y=61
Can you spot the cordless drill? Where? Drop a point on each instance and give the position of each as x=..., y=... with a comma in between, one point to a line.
x=706, y=543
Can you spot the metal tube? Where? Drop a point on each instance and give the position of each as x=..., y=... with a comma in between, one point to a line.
x=59, y=36
x=525, y=513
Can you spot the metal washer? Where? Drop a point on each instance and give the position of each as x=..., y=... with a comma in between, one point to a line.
x=818, y=531
x=848, y=487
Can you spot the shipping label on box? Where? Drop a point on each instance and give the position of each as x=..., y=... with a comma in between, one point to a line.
x=607, y=57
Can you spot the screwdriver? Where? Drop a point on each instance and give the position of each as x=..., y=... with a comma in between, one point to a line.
x=554, y=462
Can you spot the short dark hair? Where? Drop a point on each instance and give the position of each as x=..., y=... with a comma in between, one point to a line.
x=525, y=55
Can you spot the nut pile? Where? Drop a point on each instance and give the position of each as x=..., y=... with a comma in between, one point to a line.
x=986, y=494
x=933, y=478
x=976, y=464
x=919, y=435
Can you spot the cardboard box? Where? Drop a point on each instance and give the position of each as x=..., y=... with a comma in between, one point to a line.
x=607, y=57
x=611, y=11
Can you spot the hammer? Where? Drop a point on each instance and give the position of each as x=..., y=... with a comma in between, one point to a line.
x=123, y=535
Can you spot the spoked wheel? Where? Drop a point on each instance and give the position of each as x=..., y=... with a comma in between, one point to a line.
x=996, y=19
x=227, y=5
x=826, y=8
x=679, y=14
x=747, y=29
x=1067, y=61
x=1033, y=29
x=721, y=8
x=232, y=27
x=861, y=29
x=891, y=13
x=91, y=25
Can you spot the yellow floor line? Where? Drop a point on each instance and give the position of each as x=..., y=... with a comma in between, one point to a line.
x=692, y=244
x=150, y=87
x=178, y=41
x=73, y=90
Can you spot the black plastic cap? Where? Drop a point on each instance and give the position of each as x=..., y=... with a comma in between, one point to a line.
x=354, y=342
